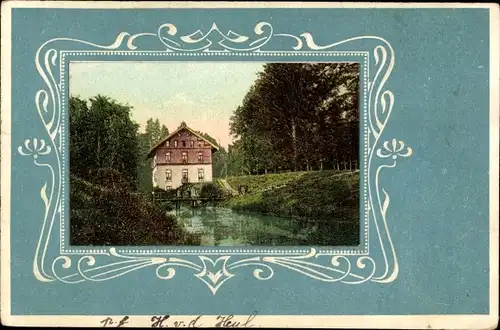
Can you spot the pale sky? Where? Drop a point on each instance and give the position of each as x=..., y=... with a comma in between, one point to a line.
x=203, y=94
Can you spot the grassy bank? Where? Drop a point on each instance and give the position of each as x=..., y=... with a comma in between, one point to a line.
x=326, y=203
x=103, y=216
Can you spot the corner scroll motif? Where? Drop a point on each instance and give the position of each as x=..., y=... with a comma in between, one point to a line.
x=199, y=41
x=380, y=265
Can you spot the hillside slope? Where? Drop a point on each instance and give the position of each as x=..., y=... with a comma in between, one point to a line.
x=325, y=202
x=103, y=216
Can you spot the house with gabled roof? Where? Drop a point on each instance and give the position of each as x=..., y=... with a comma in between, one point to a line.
x=184, y=156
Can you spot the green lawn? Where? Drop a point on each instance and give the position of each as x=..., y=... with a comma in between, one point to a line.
x=326, y=202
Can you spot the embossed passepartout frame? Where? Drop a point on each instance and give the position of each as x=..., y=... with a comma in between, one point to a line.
x=376, y=259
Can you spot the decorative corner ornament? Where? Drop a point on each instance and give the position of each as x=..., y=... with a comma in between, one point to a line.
x=379, y=263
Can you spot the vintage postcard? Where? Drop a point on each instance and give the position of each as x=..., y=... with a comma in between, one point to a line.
x=245, y=164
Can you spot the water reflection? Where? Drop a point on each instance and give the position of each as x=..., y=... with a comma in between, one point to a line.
x=224, y=227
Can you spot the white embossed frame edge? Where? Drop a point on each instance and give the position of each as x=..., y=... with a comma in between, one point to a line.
x=334, y=265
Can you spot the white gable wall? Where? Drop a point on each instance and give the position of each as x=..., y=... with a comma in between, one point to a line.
x=159, y=174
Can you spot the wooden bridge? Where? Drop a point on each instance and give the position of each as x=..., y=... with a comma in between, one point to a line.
x=179, y=200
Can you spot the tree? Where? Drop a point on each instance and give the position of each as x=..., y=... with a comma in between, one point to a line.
x=103, y=141
x=153, y=133
x=163, y=132
x=219, y=163
x=236, y=160
x=219, y=158
x=298, y=116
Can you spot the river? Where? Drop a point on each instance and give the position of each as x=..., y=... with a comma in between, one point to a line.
x=219, y=226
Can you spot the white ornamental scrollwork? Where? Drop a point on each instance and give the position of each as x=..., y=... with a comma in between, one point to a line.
x=199, y=41
x=214, y=272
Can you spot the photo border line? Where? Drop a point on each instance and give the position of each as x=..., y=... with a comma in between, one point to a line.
x=362, y=249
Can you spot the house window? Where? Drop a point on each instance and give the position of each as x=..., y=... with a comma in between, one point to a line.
x=168, y=175
x=167, y=157
x=184, y=157
x=200, y=157
x=175, y=144
x=201, y=174
x=167, y=144
x=184, y=144
x=184, y=175
x=200, y=144
x=192, y=144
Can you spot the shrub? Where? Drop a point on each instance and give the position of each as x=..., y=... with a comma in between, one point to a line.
x=211, y=190
x=111, y=178
x=101, y=216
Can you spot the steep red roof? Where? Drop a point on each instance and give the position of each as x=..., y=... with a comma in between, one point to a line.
x=183, y=126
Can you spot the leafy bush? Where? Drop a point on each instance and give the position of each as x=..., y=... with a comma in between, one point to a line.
x=110, y=178
x=157, y=189
x=101, y=216
x=211, y=190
